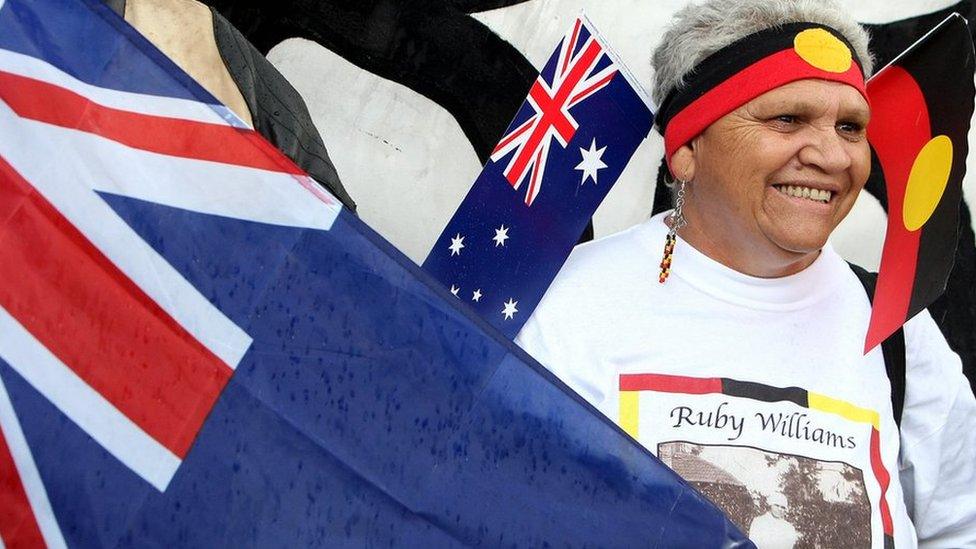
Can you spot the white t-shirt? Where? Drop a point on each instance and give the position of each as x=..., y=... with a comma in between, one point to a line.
x=758, y=393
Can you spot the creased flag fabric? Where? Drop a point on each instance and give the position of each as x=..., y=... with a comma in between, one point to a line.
x=568, y=144
x=922, y=104
x=200, y=348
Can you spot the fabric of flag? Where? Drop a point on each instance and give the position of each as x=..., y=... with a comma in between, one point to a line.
x=200, y=348
x=921, y=106
x=569, y=142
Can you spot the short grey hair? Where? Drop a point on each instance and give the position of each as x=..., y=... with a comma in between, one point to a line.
x=700, y=29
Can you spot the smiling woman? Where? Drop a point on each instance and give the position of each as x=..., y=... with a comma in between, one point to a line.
x=757, y=322
x=769, y=182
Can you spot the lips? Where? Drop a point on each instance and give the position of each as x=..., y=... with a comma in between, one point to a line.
x=799, y=191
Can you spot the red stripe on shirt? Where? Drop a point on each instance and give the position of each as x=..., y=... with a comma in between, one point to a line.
x=670, y=384
x=884, y=478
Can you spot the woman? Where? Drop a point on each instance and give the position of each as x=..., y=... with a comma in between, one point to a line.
x=738, y=358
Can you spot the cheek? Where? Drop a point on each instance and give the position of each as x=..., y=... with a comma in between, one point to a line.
x=765, y=162
x=740, y=164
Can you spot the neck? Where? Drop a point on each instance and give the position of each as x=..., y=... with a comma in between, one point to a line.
x=723, y=247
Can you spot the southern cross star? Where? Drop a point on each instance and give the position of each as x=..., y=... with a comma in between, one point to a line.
x=592, y=162
x=501, y=235
x=510, y=310
x=456, y=244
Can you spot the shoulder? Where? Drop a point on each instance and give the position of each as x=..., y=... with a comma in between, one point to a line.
x=922, y=334
x=600, y=276
x=935, y=383
x=595, y=284
x=178, y=27
x=184, y=31
x=927, y=353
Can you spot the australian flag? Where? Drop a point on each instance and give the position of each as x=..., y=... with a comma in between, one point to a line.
x=569, y=142
x=200, y=348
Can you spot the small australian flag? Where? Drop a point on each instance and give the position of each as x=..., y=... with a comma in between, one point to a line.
x=569, y=142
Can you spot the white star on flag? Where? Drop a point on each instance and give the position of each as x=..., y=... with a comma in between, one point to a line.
x=476, y=295
x=510, y=310
x=591, y=163
x=456, y=244
x=455, y=290
x=501, y=235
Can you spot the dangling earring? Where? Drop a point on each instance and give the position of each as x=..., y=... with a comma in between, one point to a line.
x=677, y=221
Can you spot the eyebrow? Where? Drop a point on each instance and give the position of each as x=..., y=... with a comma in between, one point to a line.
x=795, y=105
x=858, y=112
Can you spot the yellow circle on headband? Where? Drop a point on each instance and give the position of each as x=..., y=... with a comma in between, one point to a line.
x=823, y=50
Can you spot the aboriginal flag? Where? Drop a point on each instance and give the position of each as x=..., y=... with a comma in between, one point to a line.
x=921, y=107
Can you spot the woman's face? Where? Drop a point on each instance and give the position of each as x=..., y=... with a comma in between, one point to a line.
x=772, y=179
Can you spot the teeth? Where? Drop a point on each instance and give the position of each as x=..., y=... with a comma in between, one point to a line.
x=818, y=195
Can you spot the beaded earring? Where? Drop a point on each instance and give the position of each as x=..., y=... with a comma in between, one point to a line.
x=677, y=221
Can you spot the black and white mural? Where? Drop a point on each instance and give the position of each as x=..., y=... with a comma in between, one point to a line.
x=410, y=96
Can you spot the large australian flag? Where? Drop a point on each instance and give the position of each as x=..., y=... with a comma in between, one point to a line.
x=569, y=142
x=200, y=348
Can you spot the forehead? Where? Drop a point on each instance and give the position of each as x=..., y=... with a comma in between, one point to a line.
x=815, y=95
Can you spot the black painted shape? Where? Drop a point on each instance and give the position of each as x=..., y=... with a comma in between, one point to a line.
x=432, y=47
x=890, y=39
x=955, y=311
x=475, y=6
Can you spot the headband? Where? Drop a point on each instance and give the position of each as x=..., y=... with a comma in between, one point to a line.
x=750, y=67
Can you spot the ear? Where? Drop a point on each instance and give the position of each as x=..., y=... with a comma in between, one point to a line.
x=683, y=162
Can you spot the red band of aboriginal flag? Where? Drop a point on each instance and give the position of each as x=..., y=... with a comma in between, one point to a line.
x=750, y=67
x=921, y=108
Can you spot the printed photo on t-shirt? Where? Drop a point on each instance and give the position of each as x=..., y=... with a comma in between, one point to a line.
x=778, y=500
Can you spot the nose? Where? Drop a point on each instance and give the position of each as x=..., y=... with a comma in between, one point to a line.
x=825, y=150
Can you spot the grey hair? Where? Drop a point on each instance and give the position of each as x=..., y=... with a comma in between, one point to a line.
x=700, y=29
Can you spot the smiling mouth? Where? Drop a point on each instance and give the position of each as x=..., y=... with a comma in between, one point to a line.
x=796, y=191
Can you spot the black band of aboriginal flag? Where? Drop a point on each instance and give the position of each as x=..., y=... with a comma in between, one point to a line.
x=750, y=67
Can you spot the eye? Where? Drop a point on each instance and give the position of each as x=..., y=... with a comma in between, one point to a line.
x=784, y=122
x=851, y=128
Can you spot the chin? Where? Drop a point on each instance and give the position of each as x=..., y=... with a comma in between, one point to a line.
x=797, y=246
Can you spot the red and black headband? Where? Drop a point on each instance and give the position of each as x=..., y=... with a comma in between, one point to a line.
x=750, y=67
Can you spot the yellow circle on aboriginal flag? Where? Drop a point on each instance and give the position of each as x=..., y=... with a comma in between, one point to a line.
x=823, y=50
x=927, y=181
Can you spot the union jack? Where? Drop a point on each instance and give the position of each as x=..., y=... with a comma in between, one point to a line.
x=91, y=316
x=575, y=78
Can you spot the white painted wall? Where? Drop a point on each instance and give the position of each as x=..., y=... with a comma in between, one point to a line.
x=407, y=163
